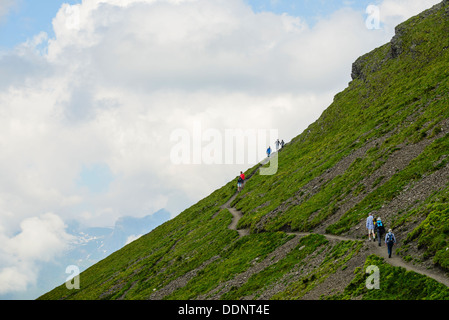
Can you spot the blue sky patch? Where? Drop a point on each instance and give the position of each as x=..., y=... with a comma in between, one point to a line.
x=308, y=10
x=97, y=178
x=27, y=18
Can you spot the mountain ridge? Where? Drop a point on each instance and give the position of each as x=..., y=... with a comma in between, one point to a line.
x=382, y=147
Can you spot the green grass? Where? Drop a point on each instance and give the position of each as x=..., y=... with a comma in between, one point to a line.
x=423, y=164
x=395, y=283
x=286, y=269
x=236, y=259
x=432, y=234
x=335, y=258
x=307, y=246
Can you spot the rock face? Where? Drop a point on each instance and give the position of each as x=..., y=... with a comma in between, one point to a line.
x=396, y=43
x=357, y=69
x=396, y=46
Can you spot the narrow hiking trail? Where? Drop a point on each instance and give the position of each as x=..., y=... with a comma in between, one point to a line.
x=236, y=216
x=373, y=246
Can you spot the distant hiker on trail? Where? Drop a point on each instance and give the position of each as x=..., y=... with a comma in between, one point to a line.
x=239, y=184
x=242, y=175
x=268, y=151
x=370, y=227
x=379, y=229
x=277, y=143
x=390, y=241
x=282, y=144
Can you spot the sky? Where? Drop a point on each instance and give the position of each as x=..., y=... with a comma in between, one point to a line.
x=92, y=93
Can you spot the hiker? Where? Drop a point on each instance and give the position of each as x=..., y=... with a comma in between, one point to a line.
x=242, y=175
x=379, y=229
x=370, y=227
x=269, y=151
x=239, y=184
x=277, y=143
x=390, y=241
x=282, y=144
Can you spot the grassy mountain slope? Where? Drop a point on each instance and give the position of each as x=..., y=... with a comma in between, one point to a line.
x=381, y=147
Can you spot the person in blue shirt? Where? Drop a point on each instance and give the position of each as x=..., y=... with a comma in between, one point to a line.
x=390, y=241
x=269, y=151
x=370, y=227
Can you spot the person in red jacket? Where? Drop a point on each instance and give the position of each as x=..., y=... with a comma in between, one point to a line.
x=242, y=175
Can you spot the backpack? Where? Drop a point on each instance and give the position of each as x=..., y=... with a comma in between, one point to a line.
x=389, y=237
x=240, y=180
x=380, y=227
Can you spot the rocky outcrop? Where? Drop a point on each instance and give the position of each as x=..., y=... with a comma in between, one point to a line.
x=397, y=46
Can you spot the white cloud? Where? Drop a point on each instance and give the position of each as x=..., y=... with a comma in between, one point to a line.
x=16, y=279
x=393, y=12
x=120, y=76
x=40, y=239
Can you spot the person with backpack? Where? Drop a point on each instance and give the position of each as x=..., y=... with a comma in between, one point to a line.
x=370, y=227
x=242, y=176
x=379, y=230
x=239, y=184
x=268, y=151
x=390, y=241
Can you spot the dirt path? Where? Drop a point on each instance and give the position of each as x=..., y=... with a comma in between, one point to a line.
x=398, y=262
x=236, y=216
x=374, y=247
